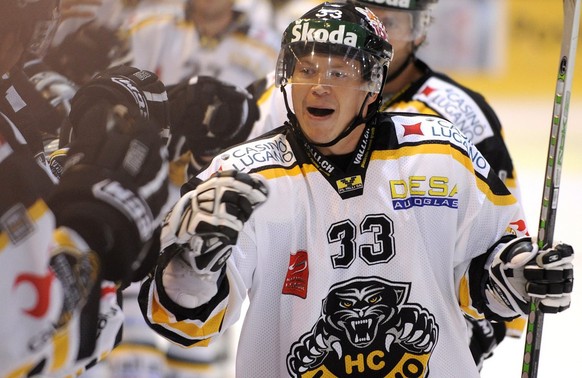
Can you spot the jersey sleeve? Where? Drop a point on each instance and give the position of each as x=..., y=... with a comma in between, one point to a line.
x=198, y=326
x=28, y=238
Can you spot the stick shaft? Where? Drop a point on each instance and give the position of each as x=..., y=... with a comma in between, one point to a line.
x=554, y=161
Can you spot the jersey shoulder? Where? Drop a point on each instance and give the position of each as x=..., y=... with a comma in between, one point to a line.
x=467, y=109
x=268, y=151
x=429, y=134
x=412, y=128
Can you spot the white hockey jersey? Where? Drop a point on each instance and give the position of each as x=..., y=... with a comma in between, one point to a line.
x=32, y=345
x=171, y=47
x=359, y=271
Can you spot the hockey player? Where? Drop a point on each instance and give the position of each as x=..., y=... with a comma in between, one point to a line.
x=58, y=242
x=209, y=38
x=378, y=232
x=413, y=87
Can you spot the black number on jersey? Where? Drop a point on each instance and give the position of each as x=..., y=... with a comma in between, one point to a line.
x=380, y=251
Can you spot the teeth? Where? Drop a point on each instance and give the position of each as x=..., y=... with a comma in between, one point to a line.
x=365, y=338
x=365, y=322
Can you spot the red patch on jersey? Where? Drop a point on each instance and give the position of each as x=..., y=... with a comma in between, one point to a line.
x=427, y=91
x=412, y=129
x=297, y=275
x=42, y=286
x=520, y=226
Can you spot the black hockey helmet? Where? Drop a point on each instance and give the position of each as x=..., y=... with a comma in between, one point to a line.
x=211, y=114
x=345, y=29
x=37, y=21
x=419, y=9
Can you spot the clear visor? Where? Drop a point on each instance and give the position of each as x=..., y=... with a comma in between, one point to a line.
x=403, y=25
x=350, y=68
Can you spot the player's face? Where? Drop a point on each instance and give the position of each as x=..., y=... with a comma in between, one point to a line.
x=212, y=9
x=399, y=24
x=400, y=27
x=326, y=99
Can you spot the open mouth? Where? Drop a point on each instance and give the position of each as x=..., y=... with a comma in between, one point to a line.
x=320, y=112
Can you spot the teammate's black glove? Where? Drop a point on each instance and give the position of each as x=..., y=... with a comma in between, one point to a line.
x=209, y=115
x=114, y=189
x=520, y=272
x=57, y=89
x=140, y=91
x=484, y=336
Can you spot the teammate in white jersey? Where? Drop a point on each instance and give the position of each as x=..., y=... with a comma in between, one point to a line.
x=210, y=38
x=377, y=233
x=58, y=241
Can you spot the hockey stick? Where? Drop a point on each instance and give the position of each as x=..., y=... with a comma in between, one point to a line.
x=535, y=321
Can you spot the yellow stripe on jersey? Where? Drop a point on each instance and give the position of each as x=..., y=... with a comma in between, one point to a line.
x=21, y=371
x=408, y=106
x=62, y=345
x=266, y=95
x=273, y=173
x=211, y=326
x=443, y=149
x=178, y=172
x=127, y=348
x=35, y=212
x=195, y=368
x=516, y=326
x=158, y=19
x=465, y=299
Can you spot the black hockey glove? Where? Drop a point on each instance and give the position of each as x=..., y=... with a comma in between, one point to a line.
x=209, y=115
x=57, y=89
x=114, y=189
x=484, y=336
x=519, y=272
x=205, y=222
x=140, y=91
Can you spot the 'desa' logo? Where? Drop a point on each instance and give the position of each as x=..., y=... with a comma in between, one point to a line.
x=418, y=191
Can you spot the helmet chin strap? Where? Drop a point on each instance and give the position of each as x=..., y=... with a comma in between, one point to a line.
x=393, y=75
x=358, y=120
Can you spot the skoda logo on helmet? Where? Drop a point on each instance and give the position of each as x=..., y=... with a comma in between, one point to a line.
x=304, y=32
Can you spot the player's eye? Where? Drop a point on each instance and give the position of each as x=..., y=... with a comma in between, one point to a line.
x=337, y=74
x=306, y=71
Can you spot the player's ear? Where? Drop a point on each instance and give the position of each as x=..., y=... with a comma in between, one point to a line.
x=419, y=41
